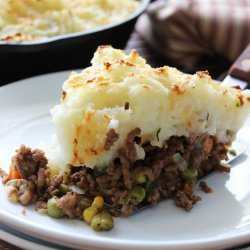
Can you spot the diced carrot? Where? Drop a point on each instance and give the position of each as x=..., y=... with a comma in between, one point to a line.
x=14, y=174
x=208, y=144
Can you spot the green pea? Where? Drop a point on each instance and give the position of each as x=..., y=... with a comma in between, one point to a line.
x=141, y=179
x=102, y=221
x=138, y=193
x=53, y=210
x=189, y=173
x=63, y=189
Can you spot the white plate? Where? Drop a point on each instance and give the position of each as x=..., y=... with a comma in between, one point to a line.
x=221, y=220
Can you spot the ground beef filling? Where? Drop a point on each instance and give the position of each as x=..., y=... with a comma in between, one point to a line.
x=159, y=175
x=203, y=185
x=112, y=137
x=126, y=184
x=32, y=166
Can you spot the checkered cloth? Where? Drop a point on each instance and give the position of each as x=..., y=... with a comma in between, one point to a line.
x=183, y=31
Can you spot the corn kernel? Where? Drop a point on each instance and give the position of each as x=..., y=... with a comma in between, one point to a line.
x=89, y=213
x=98, y=203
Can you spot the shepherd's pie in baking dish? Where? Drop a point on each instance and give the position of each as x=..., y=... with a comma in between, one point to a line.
x=32, y=20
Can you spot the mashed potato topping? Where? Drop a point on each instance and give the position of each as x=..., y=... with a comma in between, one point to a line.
x=27, y=20
x=122, y=92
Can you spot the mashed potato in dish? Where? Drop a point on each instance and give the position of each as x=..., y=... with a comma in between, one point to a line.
x=120, y=92
x=28, y=20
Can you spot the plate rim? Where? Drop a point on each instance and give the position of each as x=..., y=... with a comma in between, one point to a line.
x=41, y=233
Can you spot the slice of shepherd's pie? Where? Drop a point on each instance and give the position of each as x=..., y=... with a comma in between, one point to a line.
x=133, y=134
x=124, y=126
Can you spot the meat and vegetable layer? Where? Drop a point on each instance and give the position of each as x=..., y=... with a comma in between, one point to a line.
x=126, y=185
